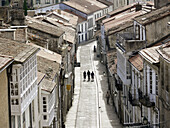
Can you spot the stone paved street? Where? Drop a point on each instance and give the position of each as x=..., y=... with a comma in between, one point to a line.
x=89, y=109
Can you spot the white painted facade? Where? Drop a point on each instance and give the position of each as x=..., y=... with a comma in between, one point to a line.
x=121, y=3
x=44, y=3
x=23, y=86
x=150, y=88
x=48, y=107
x=86, y=34
x=123, y=67
x=136, y=77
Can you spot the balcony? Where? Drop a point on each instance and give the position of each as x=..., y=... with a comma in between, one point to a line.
x=133, y=100
x=127, y=42
x=145, y=99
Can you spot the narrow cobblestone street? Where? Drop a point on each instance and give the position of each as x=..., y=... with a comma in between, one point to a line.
x=89, y=109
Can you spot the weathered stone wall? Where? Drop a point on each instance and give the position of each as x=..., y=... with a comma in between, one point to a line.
x=4, y=13
x=17, y=17
x=8, y=35
x=21, y=34
x=160, y=3
x=112, y=37
x=157, y=30
x=45, y=40
x=4, y=112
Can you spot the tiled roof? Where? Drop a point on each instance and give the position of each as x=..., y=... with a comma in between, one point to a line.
x=85, y=6
x=4, y=61
x=72, y=19
x=120, y=19
x=40, y=77
x=164, y=51
x=154, y=15
x=44, y=27
x=80, y=18
x=47, y=85
x=108, y=3
x=70, y=33
x=150, y=54
x=137, y=62
x=48, y=67
x=47, y=54
x=19, y=51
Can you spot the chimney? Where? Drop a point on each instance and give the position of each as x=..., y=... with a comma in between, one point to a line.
x=1, y=22
x=138, y=7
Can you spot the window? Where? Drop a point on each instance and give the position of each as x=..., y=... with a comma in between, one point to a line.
x=44, y=104
x=14, y=89
x=14, y=101
x=156, y=84
x=13, y=121
x=23, y=117
x=82, y=28
x=45, y=117
x=90, y=23
x=150, y=74
x=137, y=30
x=47, y=1
x=85, y=26
x=37, y=1
x=19, y=121
x=82, y=37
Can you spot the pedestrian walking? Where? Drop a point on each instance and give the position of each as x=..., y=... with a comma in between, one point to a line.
x=88, y=74
x=94, y=48
x=84, y=75
x=107, y=97
x=92, y=76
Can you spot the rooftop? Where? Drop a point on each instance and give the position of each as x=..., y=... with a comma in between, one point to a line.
x=50, y=55
x=154, y=15
x=47, y=85
x=107, y=3
x=137, y=62
x=127, y=16
x=72, y=19
x=44, y=27
x=164, y=51
x=19, y=51
x=85, y=6
x=69, y=31
x=48, y=67
x=4, y=62
x=80, y=18
x=150, y=54
x=40, y=77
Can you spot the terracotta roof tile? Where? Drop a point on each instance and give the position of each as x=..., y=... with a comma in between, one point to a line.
x=137, y=62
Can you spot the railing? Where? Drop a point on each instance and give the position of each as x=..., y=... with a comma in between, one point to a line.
x=146, y=99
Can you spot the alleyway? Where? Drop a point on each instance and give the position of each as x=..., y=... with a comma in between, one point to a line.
x=89, y=109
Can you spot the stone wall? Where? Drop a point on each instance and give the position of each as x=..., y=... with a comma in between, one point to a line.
x=157, y=30
x=4, y=112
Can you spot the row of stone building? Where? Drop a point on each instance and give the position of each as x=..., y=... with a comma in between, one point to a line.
x=37, y=60
x=134, y=44
x=37, y=69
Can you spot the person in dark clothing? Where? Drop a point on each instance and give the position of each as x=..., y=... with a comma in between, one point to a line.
x=92, y=76
x=107, y=97
x=88, y=74
x=84, y=75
